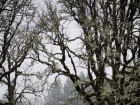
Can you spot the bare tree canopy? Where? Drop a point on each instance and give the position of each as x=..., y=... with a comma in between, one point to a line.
x=16, y=40
x=108, y=42
x=104, y=44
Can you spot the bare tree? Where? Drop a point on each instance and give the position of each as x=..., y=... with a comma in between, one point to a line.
x=16, y=42
x=13, y=50
x=109, y=42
